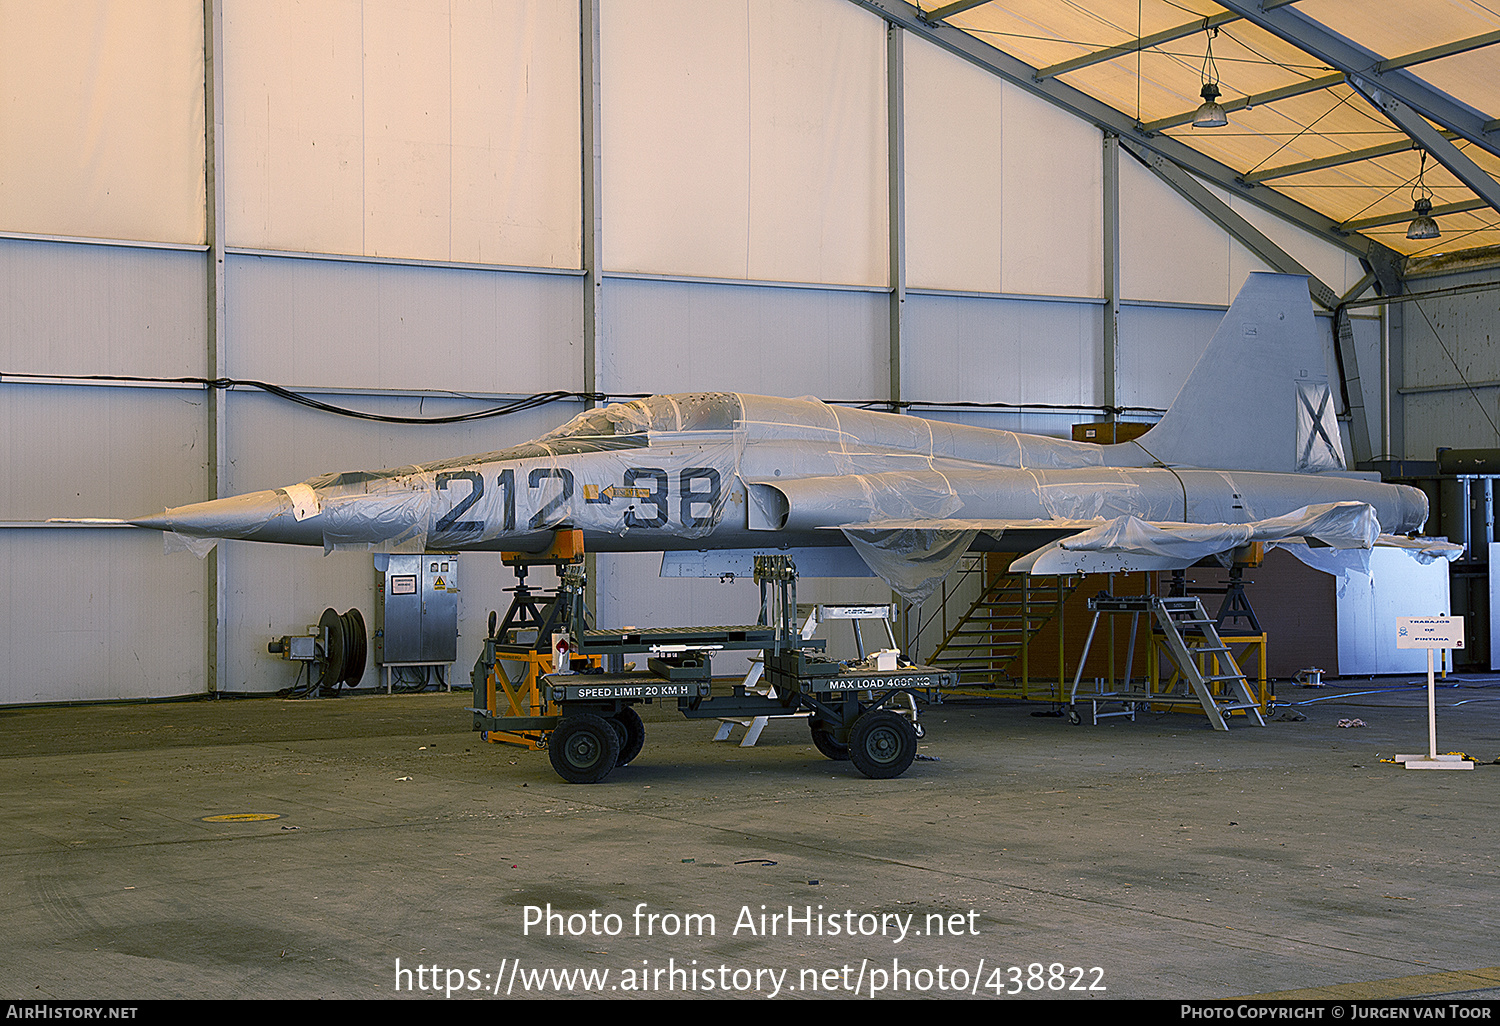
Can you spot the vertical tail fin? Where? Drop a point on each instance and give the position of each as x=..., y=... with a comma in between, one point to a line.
x=1258, y=398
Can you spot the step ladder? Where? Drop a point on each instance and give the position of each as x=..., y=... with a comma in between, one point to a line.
x=1183, y=623
x=1181, y=617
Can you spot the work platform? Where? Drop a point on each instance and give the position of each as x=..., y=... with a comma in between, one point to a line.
x=1205, y=674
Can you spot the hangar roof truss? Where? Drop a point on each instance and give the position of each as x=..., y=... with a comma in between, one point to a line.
x=1331, y=102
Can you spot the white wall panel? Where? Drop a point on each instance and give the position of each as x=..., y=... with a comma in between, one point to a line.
x=420, y=129
x=1004, y=191
x=1168, y=250
x=280, y=589
x=89, y=615
x=273, y=442
x=372, y=325
x=745, y=140
x=99, y=452
x=1053, y=191
x=1337, y=268
x=80, y=309
x=101, y=119
x=695, y=337
x=294, y=125
x=967, y=349
x=1158, y=348
x=954, y=157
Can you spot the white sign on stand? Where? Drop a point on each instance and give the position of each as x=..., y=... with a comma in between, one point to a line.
x=1431, y=632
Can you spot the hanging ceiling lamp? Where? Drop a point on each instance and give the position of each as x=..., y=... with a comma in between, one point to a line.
x=1210, y=114
x=1422, y=225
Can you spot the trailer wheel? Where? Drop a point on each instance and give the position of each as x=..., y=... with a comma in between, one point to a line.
x=824, y=741
x=632, y=735
x=882, y=744
x=584, y=748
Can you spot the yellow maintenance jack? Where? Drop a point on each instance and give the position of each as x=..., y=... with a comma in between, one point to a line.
x=533, y=640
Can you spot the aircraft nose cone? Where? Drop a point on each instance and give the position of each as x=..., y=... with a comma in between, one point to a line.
x=258, y=516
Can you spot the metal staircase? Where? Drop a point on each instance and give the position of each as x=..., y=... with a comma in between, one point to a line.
x=991, y=637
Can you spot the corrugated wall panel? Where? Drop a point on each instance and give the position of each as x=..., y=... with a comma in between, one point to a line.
x=83, y=309
x=372, y=325
x=1158, y=347
x=70, y=451
x=93, y=614
x=665, y=336
x=1448, y=342
x=968, y=349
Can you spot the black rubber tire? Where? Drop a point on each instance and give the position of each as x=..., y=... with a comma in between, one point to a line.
x=824, y=741
x=632, y=735
x=584, y=748
x=882, y=744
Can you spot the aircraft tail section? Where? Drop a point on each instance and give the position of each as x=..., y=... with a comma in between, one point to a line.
x=1259, y=397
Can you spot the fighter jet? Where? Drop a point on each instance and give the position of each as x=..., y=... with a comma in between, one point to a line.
x=1249, y=450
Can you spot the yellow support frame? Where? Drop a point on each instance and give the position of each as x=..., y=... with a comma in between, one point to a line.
x=1248, y=644
x=524, y=697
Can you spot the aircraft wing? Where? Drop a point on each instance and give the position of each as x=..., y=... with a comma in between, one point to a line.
x=914, y=555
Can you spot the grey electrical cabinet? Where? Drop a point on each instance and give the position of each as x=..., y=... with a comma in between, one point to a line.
x=416, y=608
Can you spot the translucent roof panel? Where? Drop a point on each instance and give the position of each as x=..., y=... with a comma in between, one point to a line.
x=1296, y=125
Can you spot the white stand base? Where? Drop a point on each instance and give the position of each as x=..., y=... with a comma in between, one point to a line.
x=1452, y=762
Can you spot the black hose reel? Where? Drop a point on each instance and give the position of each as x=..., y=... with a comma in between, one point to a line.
x=337, y=648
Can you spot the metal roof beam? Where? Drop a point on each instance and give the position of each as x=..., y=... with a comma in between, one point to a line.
x=1109, y=53
x=1360, y=224
x=1413, y=124
x=1336, y=160
x=1310, y=85
x=1434, y=53
x=939, y=13
x=1251, y=237
x=1108, y=119
x=1349, y=57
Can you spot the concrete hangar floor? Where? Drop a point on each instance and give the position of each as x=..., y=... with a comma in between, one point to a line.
x=1153, y=859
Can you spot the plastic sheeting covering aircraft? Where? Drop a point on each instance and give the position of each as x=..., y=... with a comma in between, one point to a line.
x=1248, y=451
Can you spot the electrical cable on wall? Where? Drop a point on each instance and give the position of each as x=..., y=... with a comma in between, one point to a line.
x=540, y=399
